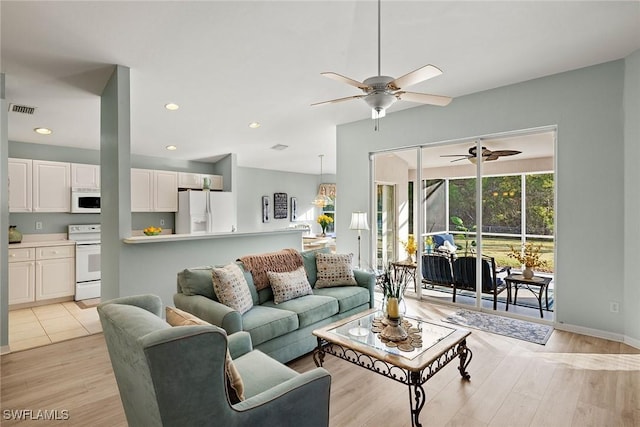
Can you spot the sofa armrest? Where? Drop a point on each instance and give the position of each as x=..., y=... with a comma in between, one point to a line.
x=239, y=344
x=367, y=279
x=210, y=311
x=297, y=408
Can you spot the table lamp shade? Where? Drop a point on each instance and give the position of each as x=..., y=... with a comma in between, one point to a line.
x=359, y=221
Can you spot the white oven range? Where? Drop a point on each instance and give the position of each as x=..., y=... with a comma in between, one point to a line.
x=87, y=238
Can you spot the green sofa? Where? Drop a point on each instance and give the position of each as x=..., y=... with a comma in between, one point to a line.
x=283, y=331
x=175, y=376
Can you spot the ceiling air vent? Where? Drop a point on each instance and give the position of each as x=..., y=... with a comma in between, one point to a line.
x=22, y=109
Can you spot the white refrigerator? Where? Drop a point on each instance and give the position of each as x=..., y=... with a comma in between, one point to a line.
x=205, y=212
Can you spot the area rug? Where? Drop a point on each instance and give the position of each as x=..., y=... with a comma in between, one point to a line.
x=88, y=303
x=514, y=328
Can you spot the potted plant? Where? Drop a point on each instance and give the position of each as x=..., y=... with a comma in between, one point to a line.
x=393, y=292
x=324, y=221
x=457, y=221
x=529, y=256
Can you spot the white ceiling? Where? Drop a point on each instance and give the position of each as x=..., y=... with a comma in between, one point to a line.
x=230, y=63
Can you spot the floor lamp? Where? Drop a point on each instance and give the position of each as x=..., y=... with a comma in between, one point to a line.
x=359, y=222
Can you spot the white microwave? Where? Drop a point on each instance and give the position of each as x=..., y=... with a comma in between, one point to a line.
x=85, y=200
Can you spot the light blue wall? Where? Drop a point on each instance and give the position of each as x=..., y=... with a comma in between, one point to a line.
x=587, y=107
x=254, y=183
x=631, y=306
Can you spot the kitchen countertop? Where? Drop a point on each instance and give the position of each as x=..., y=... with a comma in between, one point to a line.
x=161, y=238
x=42, y=240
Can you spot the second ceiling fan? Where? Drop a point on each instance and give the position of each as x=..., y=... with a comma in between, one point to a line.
x=380, y=92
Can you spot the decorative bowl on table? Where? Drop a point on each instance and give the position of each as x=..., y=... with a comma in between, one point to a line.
x=152, y=231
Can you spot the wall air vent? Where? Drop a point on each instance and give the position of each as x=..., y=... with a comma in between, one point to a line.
x=279, y=147
x=22, y=109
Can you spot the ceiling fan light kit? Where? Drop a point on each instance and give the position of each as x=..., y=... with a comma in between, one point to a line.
x=380, y=92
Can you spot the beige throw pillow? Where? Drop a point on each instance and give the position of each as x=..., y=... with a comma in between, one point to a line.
x=232, y=288
x=289, y=285
x=235, y=386
x=334, y=270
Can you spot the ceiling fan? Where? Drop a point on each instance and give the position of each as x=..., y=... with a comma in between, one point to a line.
x=380, y=92
x=487, y=155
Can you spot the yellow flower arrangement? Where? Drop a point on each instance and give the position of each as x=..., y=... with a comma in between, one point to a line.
x=152, y=231
x=324, y=221
x=410, y=245
x=529, y=255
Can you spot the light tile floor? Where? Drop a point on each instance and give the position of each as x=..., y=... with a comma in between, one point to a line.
x=46, y=324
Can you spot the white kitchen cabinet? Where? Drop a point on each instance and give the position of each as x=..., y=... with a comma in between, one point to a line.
x=154, y=190
x=51, y=186
x=216, y=181
x=21, y=275
x=195, y=180
x=20, y=183
x=85, y=176
x=165, y=191
x=41, y=273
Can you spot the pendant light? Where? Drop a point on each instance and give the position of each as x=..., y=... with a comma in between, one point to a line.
x=321, y=200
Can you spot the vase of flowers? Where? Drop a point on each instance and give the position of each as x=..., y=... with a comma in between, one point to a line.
x=428, y=244
x=529, y=256
x=410, y=247
x=324, y=221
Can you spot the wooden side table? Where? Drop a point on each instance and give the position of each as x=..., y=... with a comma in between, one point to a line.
x=537, y=285
x=405, y=270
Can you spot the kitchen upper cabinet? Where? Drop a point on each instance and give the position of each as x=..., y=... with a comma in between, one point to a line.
x=195, y=180
x=20, y=182
x=154, y=191
x=51, y=186
x=85, y=176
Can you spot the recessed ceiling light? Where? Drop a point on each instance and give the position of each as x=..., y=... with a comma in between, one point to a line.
x=171, y=147
x=254, y=125
x=171, y=106
x=279, y=147
x=43, y=131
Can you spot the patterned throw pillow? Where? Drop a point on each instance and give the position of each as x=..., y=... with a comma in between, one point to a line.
x=235, y=386
x=289, y=285
x=231, y=287
x=334, y=270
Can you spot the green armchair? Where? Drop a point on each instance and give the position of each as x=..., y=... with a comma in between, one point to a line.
x=175, y=376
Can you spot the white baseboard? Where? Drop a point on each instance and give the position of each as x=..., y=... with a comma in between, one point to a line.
x=598, y=334
x=632, y=342
x=5, y=349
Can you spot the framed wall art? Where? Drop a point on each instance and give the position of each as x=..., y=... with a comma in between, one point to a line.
x=294, y=209
x=265, y=208
x=280, y=205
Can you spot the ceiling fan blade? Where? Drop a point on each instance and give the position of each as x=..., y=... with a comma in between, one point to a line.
x=416, y=76
x=463, y=158
x=505, y=152
x=424, y=98
x=491, y=156
x=347, y=80
x=333, y=101
x=454, y=155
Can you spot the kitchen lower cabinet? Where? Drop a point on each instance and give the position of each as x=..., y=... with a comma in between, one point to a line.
x=41, y=273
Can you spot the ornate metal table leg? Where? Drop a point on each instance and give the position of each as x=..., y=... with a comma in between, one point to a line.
x=417, y=397
x=318, y=354
x=465, y=358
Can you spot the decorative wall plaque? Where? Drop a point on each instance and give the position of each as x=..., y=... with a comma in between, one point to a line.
x=280, y=205
x=265, y=208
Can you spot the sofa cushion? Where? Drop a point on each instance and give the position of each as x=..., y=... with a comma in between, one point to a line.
x=262, y=373
x=264, y=323
x=197, y=281
x=289, y=285
x=334, y=270
x=310, y=308
x=231, y=288
x=349, y=297
x=309, y=261
x=235, y=386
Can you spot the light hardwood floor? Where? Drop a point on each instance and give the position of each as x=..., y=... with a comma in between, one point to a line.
x=574, y=380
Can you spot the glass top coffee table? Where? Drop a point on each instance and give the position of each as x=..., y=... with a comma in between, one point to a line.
x=429, y=348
